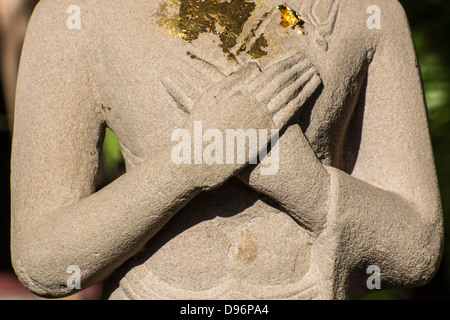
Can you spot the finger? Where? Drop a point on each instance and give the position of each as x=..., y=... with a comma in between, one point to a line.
x=188, y=83
x=207, y=70
x=192, y=82
x=270, y=73
x=253, y=71
x=237, y=81
x=185, y=85
x=182, y=100
x=282, y=81
x=288, y=93
x=284, y=113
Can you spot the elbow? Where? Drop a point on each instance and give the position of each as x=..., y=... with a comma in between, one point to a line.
x=39, y=276
x=426, y=253
x=431, y=253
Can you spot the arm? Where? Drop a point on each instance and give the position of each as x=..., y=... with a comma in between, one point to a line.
x=57, y=219
x=399, y=219
x=387, y=212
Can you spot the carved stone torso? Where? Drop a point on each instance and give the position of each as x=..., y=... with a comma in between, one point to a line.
x=231, y=242
x=356, y=191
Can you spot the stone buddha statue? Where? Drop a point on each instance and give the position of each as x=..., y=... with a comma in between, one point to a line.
x=338, y=108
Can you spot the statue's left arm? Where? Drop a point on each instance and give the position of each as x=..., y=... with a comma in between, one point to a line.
x=387, y=212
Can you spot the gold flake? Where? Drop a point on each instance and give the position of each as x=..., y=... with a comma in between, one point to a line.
x=290, y=18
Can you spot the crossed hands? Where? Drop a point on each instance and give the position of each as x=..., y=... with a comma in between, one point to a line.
x=251, y=98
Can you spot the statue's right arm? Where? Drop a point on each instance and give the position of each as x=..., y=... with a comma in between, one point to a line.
x=58, y=219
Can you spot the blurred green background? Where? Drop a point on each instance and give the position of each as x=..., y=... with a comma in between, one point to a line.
x=430, y=23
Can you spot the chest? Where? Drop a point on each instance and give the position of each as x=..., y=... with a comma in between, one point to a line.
x=184, y=47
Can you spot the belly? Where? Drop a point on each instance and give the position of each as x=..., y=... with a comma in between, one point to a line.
x=227, y=240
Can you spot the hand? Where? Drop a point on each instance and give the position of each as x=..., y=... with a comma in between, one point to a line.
x=281, y=89
x=285, y=87
x=247, y=99
x=228, y=105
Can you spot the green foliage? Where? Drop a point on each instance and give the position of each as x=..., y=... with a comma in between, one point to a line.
x=4, y=123
x=112, y=159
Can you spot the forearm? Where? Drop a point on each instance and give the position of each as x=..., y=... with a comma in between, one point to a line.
x=353, y=221
x=303, y=196
x=101, y=231
x=301, y=183
x=360, y=223
x=377, y=227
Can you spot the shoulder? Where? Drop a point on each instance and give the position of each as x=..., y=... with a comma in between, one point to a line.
x=51, y=18
x=373, y=21
x=388, y=7
x=62, y=29
x=63, y=16
x=391, y=12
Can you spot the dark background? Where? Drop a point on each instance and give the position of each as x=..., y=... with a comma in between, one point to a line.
x=430, y=23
